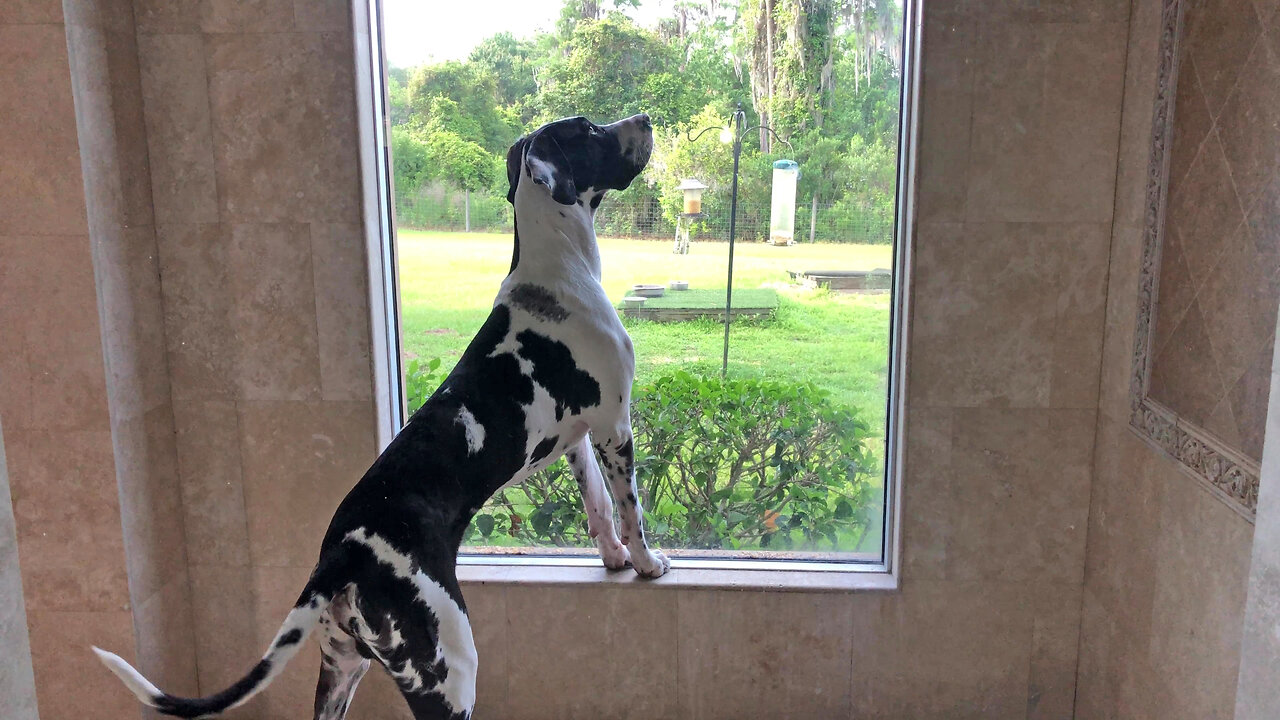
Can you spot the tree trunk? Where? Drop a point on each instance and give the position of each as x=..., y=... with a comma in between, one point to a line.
x=467, y=211
x=813, y=218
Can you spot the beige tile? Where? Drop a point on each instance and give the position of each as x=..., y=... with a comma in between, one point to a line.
x=1073, y=11
x=41, y=189
x=246, y=16
x=1192, y=123
x=179, y=133
x=1124, y=518
x=943, y=650
x=1249, y=398
x=70, y=682
x=274, y=311
x=1221, y=423
x=1249, y=125
x=1122, y=311
x=1046, y=119
x=1184, y=375
x=1201, y=564
x=166, y=638
x=928, y=514
x=151, y=510
x=1219, y=35
x=342, y=311
x=128, y=271
x=487, y=610
x=293, y=692
x=1239, y=300
x=61, y=333
x=1055, y=641
x=27, y=12
x=1176, y=291
x=300, y=459
x=280, y=159
x=1204, y=210
x=323, y=15
x=167, y=17
x=67, y=513
x=16, y=267
x=945, y=114
x=1096, y=680
x=208, y=446
x=224, y=609
x=612, y=653
x=1080, y=255
x=197, y=293
x=1139, y=108
x=1020, y=494
x=1034, y=294
x=739, y=652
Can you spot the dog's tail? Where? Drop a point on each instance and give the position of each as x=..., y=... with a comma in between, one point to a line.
x=312, y=603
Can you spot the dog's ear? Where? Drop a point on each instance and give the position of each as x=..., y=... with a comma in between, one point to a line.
x=515, y=157
x=547, y=165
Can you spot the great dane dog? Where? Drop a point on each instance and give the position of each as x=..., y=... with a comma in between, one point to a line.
x=549, y=374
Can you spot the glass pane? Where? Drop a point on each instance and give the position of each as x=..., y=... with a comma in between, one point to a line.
x=778, y=449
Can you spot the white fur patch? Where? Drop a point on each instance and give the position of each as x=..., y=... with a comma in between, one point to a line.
x=455, y=645
x=473, y=429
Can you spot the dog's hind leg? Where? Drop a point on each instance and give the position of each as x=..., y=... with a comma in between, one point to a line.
x=341, y=664
x=598, y=506
x=617, y=454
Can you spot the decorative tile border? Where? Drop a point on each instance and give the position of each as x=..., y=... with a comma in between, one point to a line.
x=1225, y=472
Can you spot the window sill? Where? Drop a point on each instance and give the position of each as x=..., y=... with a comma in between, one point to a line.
x=871, y=579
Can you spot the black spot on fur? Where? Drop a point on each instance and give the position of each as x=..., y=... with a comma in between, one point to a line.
x=538, y=302
x=554, y=369
x=290, y=638
x=595, y=200
x=573, y=458
x=631, y=498
x=561, y=213
x=544, y=448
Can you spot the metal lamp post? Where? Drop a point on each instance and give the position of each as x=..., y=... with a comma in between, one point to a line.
x=734, y=133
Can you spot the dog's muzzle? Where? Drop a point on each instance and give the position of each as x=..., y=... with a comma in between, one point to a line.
x=635, y=135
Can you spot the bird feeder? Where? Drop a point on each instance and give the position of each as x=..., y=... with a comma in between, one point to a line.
x=692, y=190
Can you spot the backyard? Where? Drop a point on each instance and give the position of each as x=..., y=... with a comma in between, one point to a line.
x=818, y=363
x=840, y=342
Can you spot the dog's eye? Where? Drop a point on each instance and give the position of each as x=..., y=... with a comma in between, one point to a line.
x=593, y=130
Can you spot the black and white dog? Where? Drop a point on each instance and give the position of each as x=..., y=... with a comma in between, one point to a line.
x=548, y=374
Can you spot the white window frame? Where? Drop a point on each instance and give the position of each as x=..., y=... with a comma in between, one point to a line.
x=388, y=377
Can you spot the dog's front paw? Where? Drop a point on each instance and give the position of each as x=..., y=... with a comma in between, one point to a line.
x=651, y=563
x=614, y=554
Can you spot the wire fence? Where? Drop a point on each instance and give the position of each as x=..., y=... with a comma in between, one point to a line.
x=638, y=215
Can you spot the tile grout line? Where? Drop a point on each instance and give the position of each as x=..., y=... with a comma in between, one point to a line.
x=1098, y=406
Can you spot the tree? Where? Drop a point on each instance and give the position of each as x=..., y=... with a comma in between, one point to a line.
x=511, y=63
x=411, y=161
x=464, y=164
x=612, y=68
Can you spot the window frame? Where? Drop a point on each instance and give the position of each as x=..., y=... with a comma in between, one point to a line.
x=388, y=374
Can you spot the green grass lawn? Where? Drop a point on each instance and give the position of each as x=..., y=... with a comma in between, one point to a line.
x=840, y=342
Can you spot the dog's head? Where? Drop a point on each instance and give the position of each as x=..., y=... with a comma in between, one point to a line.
x=571, y=156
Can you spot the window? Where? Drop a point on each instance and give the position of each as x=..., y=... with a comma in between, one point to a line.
x=771, y=444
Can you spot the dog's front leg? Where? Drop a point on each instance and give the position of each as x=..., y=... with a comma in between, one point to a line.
x=617, y=453
x=596, y=503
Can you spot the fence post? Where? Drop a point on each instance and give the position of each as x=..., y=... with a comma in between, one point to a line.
x=466, y=212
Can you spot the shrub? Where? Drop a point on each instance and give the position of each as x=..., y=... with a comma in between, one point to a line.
x=739, y=463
